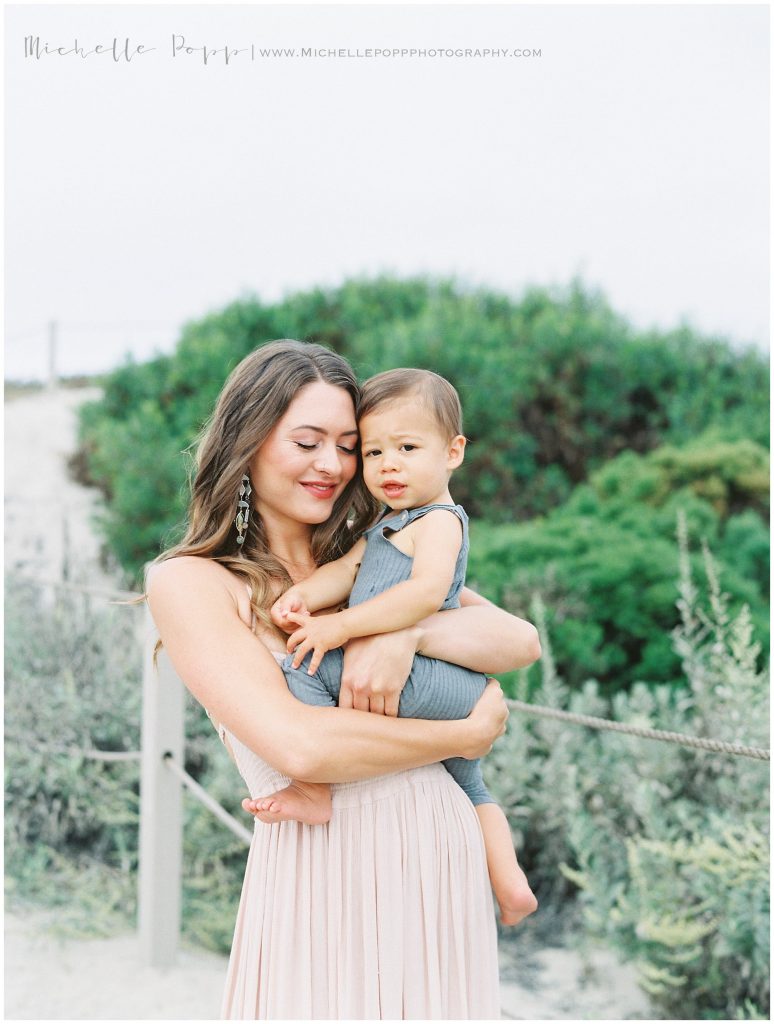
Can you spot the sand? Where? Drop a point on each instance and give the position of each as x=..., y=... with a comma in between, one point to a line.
x=47, y=978
x=48, y=518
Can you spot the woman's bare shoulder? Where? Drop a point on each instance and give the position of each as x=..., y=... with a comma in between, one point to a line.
x=191, y=579
x=184, y=570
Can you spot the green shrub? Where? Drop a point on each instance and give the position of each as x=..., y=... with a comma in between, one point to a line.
x=73, y=683
x=605, y=561
x=554, y=384
x=666, y=847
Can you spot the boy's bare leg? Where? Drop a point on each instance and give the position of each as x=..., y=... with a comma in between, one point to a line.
x=308, y=802
x=511, y=888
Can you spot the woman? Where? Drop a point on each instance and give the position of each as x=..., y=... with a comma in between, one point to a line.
x=386, y=911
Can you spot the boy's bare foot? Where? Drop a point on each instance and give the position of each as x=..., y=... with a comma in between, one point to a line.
x=509, y=882
x=516, y=901
x=306, y=802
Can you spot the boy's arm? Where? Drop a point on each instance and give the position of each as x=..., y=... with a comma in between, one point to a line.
x=325, y=588
x=437, y=542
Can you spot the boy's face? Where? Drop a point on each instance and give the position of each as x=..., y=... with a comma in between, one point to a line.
x=406, y=459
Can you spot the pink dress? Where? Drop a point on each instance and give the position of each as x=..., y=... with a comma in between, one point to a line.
x=385, y=912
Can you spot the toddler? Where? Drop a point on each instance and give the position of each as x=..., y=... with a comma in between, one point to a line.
x=410, y=564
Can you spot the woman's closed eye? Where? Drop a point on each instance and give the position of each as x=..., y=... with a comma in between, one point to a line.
x=311, y=447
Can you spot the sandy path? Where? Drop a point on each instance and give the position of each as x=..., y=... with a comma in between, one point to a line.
x=48, y=528
x=47, y=978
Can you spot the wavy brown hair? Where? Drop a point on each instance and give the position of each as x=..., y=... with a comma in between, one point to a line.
x=255, y=396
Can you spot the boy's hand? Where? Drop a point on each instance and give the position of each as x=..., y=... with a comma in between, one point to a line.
x=289, y=611
x=319, y=634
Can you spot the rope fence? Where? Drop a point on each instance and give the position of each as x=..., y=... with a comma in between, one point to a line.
x=91, y=754
x=681, y=738
x=79, y=588
x=695, y=742
x=201, y=794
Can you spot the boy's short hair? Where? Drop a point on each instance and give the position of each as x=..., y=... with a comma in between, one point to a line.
x=435, y=392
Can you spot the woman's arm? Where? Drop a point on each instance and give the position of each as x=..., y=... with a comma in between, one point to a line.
x=230, y=672
x=479, y=636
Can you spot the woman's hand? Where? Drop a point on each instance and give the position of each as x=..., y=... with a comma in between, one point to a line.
x=376, y=669
x=487, y=720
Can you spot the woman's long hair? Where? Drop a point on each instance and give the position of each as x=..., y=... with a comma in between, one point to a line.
x=255, y=396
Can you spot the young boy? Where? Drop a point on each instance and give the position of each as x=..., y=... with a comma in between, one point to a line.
x=410, y=564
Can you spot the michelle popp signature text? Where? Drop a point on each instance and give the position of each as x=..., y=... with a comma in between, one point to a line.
x=124, y=50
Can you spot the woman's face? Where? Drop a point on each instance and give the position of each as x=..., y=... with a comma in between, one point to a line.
x=308, y=459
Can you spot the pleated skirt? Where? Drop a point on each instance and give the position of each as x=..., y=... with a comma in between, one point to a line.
x=384, y=913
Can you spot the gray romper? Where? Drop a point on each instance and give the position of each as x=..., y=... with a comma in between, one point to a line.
x=435, y=689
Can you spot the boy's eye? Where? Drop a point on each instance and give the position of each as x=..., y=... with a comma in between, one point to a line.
x=408, y=447
x=371, y=451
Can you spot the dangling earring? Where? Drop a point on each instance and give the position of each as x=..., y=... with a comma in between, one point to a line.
x=243, y=509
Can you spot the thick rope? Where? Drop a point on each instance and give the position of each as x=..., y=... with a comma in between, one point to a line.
x=79, y=588
x=204, y=797
x=91, y=753
x=698, y=742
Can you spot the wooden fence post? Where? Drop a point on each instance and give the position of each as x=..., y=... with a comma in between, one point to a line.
x=161, y=806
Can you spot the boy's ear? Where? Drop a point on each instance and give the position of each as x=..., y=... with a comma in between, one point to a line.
x=456, y=451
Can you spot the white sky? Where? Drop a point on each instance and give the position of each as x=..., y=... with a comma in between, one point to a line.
x=633, y=152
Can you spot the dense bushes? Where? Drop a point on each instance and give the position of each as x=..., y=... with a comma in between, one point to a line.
x=553, y=385
x=668, y=847
x=73, y=683
x=605, y=561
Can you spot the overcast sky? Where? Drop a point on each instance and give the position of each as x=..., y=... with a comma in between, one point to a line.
x=631, y=151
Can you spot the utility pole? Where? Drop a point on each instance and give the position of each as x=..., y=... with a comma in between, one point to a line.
x=52, y=377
